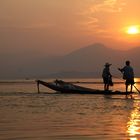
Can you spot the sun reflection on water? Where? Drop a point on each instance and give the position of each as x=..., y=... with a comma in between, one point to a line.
x=133, y=125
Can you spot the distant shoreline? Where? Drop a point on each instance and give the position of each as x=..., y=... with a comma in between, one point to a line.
x=119, y=81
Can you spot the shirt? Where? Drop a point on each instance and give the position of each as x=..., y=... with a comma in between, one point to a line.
x=106, y=72
x=127, y=72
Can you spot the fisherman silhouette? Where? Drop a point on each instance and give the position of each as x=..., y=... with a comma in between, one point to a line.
x=107, y=77
x=128, y=76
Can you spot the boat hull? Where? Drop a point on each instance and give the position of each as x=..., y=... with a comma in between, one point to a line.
x=64, y=87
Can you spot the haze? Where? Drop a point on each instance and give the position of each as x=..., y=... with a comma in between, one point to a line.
x=32, y=29
x=61, y=26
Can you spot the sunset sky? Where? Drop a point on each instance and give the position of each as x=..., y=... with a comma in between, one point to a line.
x=61, y=26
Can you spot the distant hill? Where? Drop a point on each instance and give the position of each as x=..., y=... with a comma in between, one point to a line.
x=89, y=61
x=85, y=62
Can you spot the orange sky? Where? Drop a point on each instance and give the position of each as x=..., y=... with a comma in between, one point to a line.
x=61, y=26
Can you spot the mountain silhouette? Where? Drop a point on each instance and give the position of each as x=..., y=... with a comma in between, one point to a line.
x=92, y=59
x=84, y=62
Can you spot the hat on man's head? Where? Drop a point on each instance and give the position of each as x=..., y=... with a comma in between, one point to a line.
x=107, y=64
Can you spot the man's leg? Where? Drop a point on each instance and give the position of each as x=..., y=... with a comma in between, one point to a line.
x=107, y=86
x=131, y=91
x=104, y=86
x=131, y=88
x=126, y=90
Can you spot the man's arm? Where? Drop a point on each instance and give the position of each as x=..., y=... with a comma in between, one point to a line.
x=121, y=70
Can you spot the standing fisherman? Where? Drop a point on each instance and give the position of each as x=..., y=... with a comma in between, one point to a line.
x=128, y=75
x=107, y=77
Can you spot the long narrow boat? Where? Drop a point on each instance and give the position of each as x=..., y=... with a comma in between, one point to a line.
x=66, y=87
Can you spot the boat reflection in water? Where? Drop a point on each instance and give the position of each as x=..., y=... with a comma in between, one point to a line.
x=133, y=125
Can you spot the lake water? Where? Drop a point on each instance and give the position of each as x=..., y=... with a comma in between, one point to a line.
x=27, y=115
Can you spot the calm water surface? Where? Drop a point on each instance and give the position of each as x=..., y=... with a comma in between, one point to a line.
x=26, y=115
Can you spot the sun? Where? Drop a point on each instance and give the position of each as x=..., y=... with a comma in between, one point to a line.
x=132, y=30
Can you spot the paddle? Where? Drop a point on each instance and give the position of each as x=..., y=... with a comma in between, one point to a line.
x=137, y=89
x=38, y=86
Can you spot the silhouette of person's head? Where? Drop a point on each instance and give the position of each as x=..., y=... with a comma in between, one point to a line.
x=107, y=64
x=127, y=62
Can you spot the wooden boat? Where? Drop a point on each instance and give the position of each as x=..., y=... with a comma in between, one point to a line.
x=66, y=87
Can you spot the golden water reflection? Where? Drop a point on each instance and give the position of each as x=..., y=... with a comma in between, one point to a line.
x=133, y=125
